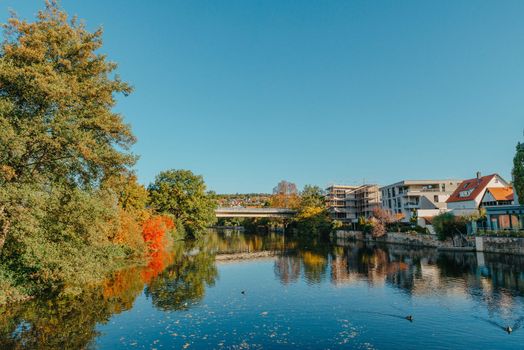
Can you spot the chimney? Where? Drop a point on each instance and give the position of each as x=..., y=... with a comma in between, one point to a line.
x=479, y=175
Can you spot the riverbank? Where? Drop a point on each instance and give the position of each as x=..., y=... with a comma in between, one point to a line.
x=245, y=256
x=487, y=244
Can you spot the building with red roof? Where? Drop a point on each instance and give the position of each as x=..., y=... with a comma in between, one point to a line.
x=468, y=196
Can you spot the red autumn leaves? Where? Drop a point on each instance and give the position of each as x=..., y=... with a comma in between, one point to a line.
x=154, y=231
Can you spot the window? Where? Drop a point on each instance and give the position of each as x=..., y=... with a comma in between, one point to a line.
x=464, y=194
x=435, y=199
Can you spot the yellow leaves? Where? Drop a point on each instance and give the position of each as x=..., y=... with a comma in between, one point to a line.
x=312, y=259
x=291, y=201
x=7, y=172
x=310, y=212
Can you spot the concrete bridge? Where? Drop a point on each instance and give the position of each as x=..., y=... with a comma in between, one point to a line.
x=241, y=212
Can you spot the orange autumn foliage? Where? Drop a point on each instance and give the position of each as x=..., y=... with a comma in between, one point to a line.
x=291, y=201
x=124, y=285
x=158, y=262
x=154, y=231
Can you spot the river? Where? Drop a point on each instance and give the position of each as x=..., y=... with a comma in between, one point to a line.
x=244, y=291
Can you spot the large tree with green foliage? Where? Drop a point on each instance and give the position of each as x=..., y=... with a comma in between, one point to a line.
x=518, y=172
x=60, y=144
x=312, y=196
x=312, y=218
x=183, y=195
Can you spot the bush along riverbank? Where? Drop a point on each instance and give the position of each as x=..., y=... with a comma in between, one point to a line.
x=71, y=209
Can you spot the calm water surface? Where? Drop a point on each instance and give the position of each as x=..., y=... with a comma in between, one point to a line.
x=285, y=294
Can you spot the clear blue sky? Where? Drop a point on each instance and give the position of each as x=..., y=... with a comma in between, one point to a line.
x=248, y=93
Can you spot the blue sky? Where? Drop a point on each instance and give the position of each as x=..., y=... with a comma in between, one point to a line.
x=248, y=93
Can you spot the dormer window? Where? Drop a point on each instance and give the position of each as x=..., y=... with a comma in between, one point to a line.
x=464, y=194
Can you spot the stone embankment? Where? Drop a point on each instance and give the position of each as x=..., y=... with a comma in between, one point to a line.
x=245, y=255
x=506, y=245
x=488, y=244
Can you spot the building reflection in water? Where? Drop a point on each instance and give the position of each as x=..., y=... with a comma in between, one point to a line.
x=178, y=280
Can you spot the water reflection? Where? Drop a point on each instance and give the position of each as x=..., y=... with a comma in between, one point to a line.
x=172, y=279
x=183, y=283
x=177, y=280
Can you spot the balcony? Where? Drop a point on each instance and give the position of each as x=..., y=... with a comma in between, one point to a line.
x=411, y=205
x=421, y=190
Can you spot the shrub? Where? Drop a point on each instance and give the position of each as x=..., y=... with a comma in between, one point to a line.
x=448, y=225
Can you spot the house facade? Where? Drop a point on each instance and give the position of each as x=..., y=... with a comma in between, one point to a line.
x=504, y=216
x=467, y=198
x=495, y=196
x=420, y=198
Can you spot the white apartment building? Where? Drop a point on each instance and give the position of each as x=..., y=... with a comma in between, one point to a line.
x=347, y=203
x=423, y=198
x=336, y=198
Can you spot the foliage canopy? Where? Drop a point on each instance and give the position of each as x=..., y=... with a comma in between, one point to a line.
x=183, y=195
x=64, y=155
x=518, y=172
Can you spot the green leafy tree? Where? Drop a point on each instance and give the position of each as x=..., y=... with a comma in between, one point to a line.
x=518, y=171
x=448, y=225
x=312, y=196
x=312, y=218
x=56, y=99
x=60, y=144
x=183, y=195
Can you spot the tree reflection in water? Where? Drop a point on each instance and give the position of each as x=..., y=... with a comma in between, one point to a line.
x=183, y=282
x=177, y=280
x=173, y=280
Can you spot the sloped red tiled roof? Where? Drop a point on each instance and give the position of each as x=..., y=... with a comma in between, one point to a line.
x=501, y=193
x=478, y=185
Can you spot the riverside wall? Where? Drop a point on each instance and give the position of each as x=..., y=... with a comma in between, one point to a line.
x=488, y=244
x=506, y=245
